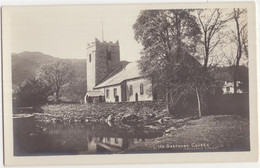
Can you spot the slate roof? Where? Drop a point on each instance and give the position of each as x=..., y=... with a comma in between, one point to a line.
x=126, y=71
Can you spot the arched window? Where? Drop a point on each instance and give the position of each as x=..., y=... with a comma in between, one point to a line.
x=141, y=89
x=130, y=90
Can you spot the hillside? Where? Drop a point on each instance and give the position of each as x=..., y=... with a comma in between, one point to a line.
x=26, y=64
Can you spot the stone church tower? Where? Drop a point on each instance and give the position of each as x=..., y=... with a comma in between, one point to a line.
x=102, y=59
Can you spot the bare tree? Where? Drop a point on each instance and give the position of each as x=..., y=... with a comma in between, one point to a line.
x=241, y=41
x=238, y=43
x=211, y=22
x=56, y=75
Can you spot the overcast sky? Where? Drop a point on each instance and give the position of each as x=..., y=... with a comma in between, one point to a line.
x=64, y=31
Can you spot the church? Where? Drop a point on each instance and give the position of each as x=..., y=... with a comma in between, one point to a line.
x=112, y=80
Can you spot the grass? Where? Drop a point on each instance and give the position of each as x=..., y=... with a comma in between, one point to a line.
x=212, y=133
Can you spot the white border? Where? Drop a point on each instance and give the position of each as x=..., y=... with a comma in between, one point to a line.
x=65, y=2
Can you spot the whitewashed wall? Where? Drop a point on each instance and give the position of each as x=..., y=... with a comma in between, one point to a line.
x=111, y=97
x=136, y=89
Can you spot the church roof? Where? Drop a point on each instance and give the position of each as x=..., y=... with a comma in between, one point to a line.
x=125, y=72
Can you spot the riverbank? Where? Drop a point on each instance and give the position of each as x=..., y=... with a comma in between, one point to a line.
x=128, y=113
x=209, y=133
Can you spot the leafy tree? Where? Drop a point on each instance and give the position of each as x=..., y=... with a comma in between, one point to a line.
x=169, y=39
x=32, y=93
x=56, y=75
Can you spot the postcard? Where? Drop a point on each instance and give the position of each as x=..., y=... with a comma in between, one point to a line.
x=124, y=84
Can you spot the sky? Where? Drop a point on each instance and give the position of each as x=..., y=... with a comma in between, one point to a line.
x=64, y=31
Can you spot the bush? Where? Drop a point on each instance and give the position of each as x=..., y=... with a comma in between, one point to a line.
x=32, y=93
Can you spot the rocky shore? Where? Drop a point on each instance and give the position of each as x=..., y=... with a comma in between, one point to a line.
x=126, y=113
x=147, y=114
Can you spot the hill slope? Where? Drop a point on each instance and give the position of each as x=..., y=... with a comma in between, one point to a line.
x=26, y=64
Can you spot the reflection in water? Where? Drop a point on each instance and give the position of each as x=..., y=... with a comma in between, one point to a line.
x=33, y=138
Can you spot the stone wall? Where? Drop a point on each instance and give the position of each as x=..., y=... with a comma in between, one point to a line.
x=99, y=65
x=95, y=112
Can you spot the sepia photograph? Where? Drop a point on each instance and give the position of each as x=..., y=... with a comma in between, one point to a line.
x=123, y=80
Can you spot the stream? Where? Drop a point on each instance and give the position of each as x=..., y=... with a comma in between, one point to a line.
x=32, y=138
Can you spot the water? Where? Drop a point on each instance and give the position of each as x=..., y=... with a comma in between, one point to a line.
x=33, y=138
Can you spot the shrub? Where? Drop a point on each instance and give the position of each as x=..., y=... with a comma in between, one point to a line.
x=33, y=93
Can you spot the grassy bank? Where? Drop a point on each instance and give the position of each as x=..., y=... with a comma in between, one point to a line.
x=210, y=133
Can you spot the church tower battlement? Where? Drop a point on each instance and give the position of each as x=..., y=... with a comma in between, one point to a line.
x=102, y=59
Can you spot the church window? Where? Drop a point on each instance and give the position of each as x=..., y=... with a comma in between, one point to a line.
x=115, y=92
x=108, y=55
x=130, y=90
x=89, y=57
x=141, y=89
x=107, y=93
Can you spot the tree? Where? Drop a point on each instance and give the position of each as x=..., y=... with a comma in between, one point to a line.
x=239, y=43
x=56, y=75
x=32, y=93
x=211, y=21
x=169, y=38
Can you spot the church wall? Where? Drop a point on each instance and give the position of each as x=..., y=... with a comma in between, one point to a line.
x=101, y=90
x=111, y=97
x=123, y=91
x=147, y=85
x=91, y=66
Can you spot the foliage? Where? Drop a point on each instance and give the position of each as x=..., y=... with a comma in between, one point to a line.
x=32, y=93
x=74, y=91
x=222, y=74
x=242, y=76
x=169, y=38
x=56, y=75
x=25, y=65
